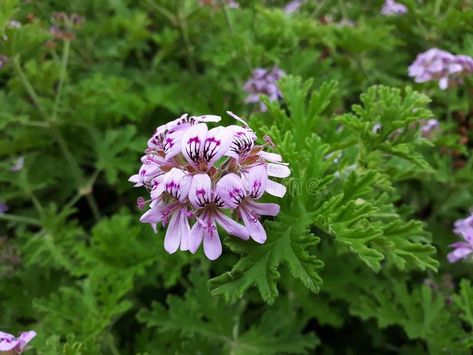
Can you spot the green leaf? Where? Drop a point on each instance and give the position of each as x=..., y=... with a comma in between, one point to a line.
x=289, y=242
x=198, y=315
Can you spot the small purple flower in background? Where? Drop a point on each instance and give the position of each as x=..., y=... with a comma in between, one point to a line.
x=14, y=24
x=392, y=7
x=3, y=207
x=462, y=249
x=293, y=6
x=428, y=126
x=12, y=345
x=18, y=164
x=204, y=176
x=263, y=82
x=3, y=60
x=214, y=3
x=436, y=64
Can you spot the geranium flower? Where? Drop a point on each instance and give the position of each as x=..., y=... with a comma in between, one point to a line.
x=9, y=344
x=462, y=249
x=187, y=168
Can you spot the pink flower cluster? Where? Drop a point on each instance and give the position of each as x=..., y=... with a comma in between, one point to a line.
x=201, y=175
x=436, y=64
x=9, y=344
x=462, y=249
x=263, y=82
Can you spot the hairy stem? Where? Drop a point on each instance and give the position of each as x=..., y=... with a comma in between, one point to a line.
x=20, y=219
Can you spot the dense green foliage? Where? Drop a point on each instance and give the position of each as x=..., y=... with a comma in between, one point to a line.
x=356, y=260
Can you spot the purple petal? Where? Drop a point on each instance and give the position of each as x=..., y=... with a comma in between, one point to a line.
x=193, y=142
x=136, y=179
x=231, y=190
x=173, y=237
x=459, y=254
x=232, y=227
x=212, y=243
x=18, y=165
x=158, y=213
x=7, y=342
x=264, y=209
x=196, y=235
x=170, y=125
x=172, y=144
x=256, y=180
x=177, y=184
x=185, y=231
x=242, y=141
x=216, y=144
x=254, y=226
x=200, y=193
x=24, y=339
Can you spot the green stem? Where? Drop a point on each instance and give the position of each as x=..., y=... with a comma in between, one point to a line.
x=231, y=29
x=163, y=11
x=29, y=88
x=182, y=24
x=62, y=78
x=343, y=9
x=438, y=5
x=20, y=219
x=74, y=165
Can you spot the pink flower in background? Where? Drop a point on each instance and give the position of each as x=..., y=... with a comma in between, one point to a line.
x=200, y=177
x=392, y=7
x=18, y=164
x=3, y=60
x=293, y=6
x=3, y=207
x=437, y=64
x=11, y=344
x=428, y=126
x=462, y=249
x=263, y=82
x=230, y=3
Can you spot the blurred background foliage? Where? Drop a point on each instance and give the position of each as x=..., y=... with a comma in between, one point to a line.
x=86, y=82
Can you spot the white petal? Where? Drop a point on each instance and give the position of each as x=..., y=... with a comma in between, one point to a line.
x=275, y=189
x=170, y=125
x=273, y=157
x=278, y=170
x=172, y=238
x=443, y=83
x=206, y=118
x=238, y=118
